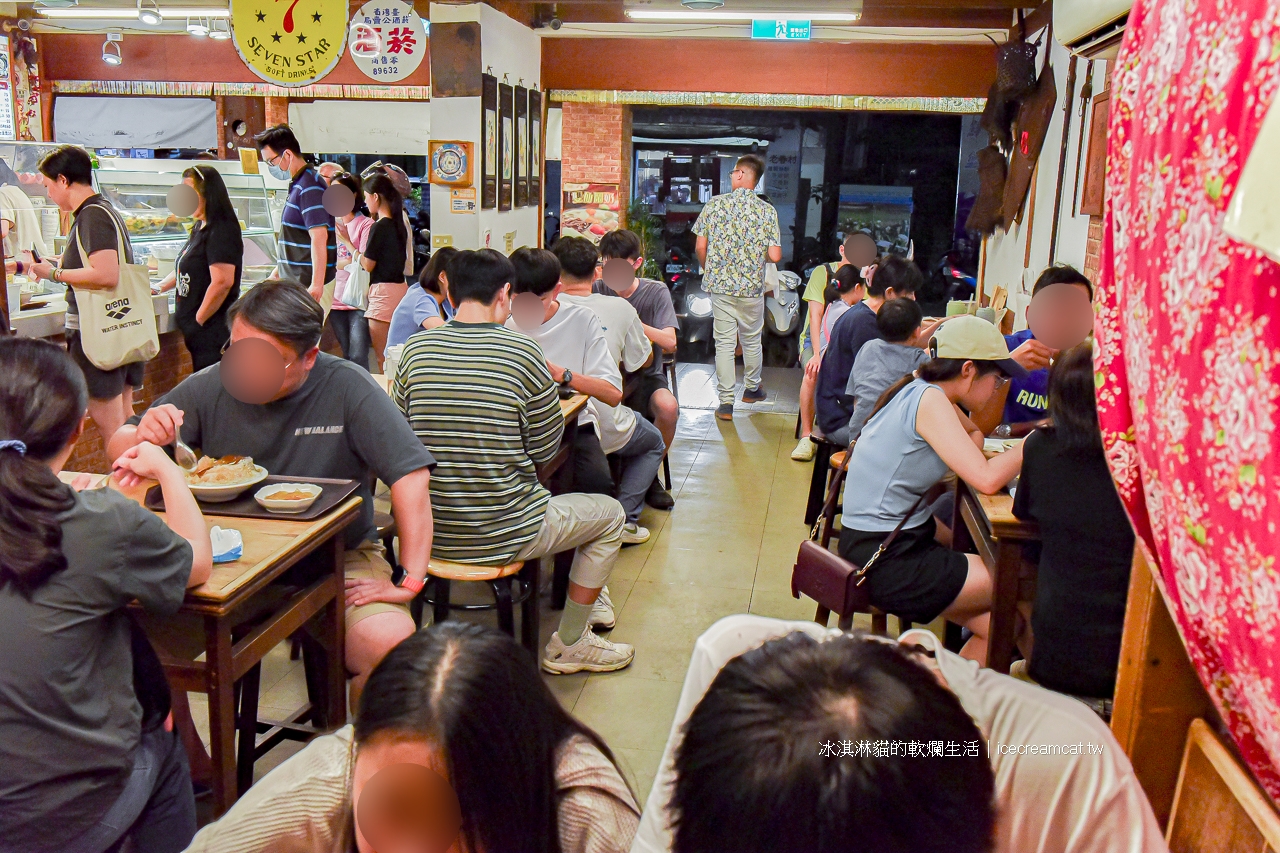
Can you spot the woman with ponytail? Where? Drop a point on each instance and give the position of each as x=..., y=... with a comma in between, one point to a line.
x=88, y=758
x=915, y=435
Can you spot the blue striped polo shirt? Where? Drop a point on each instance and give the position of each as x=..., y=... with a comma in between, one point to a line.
x=303, y=211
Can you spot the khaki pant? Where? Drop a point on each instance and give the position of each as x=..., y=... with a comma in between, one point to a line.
x=590, y=523
x=734, y=318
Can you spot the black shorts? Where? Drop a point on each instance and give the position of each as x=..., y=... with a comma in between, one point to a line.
x=104, y=384
x=640, y=389
x=916, y=578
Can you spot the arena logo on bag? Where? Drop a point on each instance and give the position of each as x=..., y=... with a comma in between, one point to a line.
x=118, y=309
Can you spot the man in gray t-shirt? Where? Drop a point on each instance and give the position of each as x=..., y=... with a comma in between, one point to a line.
x=328, y=419
x=882, y=362
x=621, y=259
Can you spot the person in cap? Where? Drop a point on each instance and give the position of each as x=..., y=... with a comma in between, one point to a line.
x=919, y=423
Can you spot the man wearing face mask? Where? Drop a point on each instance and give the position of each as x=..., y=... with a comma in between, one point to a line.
x=308, y=245
x=300, y=412
x=482, y=399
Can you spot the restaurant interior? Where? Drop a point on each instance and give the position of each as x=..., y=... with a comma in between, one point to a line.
x=1134, y=153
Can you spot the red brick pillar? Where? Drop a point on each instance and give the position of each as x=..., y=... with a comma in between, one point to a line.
x=596, y=145
x=277, y=111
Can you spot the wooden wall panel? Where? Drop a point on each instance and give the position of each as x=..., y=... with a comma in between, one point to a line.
x=730, y=65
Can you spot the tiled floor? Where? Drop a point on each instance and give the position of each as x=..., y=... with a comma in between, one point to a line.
x=727, y=547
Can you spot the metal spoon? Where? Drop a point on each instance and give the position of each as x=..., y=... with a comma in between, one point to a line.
x=183, y=455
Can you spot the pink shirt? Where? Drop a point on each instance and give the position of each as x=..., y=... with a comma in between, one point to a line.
x=358, y=230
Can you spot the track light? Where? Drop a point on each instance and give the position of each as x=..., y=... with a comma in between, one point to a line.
x=149, y=12
x=197, y=26
x=111, y=49
x=220, y=30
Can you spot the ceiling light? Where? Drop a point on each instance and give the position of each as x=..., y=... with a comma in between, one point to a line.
x=55, y=4
x=111, y=49
x=149, y=12
x=720, y=16
x=102, y=12
x=220, y=30
x=198, y=26
x=702, y=5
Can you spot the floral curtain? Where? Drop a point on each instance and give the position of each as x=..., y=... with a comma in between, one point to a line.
x=1188, y=355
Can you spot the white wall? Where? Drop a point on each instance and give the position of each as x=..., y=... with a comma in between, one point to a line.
x=1006, y=251
x=507, y=49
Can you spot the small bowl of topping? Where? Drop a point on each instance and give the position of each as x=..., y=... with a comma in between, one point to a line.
x=287, y=497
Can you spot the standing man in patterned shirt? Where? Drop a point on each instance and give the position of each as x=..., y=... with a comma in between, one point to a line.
x=737, y=234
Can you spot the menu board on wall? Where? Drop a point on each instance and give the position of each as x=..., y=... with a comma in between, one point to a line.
x=7, y=130
x=535, y=148
x=506, y=145
x=489, y=141
x=290, y=45
x=522, y=146
x=590, y=210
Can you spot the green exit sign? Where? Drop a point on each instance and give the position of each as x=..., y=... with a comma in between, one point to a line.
x=780, y=30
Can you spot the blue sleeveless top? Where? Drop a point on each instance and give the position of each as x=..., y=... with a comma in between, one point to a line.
x=891, y=467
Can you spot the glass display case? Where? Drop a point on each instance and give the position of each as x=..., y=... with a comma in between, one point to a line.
x=158, y=235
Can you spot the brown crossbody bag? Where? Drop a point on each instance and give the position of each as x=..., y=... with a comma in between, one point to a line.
x=829, y=579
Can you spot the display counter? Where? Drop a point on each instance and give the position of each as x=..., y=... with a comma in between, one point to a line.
x=48, y=320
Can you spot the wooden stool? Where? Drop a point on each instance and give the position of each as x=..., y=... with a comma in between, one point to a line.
x=503, y=580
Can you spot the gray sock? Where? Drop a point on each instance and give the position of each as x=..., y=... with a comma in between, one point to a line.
x=573, y=621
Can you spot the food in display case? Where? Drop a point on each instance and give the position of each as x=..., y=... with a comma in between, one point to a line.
x=138, y=189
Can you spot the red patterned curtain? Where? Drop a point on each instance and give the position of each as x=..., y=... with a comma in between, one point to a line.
x=1188, y=354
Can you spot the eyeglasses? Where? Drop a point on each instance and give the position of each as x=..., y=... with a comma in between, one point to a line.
x=274, y=161
x=229, y=342
x=1001, y=380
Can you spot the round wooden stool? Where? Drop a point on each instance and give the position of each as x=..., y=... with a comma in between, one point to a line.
x=514, y=583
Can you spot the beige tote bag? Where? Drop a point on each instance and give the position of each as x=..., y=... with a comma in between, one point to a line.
x=118, y=326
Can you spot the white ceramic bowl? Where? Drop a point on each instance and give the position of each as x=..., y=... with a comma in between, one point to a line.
x=222, y=493
x=264, y=499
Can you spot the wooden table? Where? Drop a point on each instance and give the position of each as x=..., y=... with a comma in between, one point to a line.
x=233, y=591
x=987, y=524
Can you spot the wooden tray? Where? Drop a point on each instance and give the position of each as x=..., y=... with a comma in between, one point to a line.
x=334, y=492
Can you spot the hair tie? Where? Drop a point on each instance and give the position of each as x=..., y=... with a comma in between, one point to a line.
x=14, y=444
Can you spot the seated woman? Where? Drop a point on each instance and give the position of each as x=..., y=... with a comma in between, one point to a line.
x=1087, y=541
x=426, y=303
x=467, y=702
x=88, y=758
x=914, y=437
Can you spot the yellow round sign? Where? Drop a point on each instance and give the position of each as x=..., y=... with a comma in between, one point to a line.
x=290, y=42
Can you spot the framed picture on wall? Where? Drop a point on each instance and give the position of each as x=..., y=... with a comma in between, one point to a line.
x=506, y=145
x=522, y=146
x=535, y=147
x=489, y=141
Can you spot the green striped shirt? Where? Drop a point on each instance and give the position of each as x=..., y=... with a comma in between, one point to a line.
x=480, y=398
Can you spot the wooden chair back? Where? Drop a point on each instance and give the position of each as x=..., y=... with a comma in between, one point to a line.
x=1218, y=808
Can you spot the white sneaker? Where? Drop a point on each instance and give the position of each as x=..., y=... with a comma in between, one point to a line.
x=804, y=450
x=602, y=615
x=634, y=534
x=589, y=654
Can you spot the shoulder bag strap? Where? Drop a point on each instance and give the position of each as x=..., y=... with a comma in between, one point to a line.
x=833, y=495
x=121, y=258
x=884, y=546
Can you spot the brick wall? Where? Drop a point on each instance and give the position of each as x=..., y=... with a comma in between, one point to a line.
x=277, y=111
x=163, y=372
x=596, y=145
x=1093, y=249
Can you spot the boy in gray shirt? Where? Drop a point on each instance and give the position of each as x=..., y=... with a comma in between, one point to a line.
x=880, y=363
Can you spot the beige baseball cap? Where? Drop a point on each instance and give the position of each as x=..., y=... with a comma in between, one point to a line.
x=975, y=339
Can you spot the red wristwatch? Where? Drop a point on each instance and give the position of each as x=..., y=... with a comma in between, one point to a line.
x=404, y=580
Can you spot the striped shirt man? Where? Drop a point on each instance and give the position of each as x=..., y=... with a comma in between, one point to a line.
x=480, y=398
x=303, y=211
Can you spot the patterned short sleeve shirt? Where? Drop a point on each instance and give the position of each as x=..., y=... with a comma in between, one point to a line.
x=739, y=227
